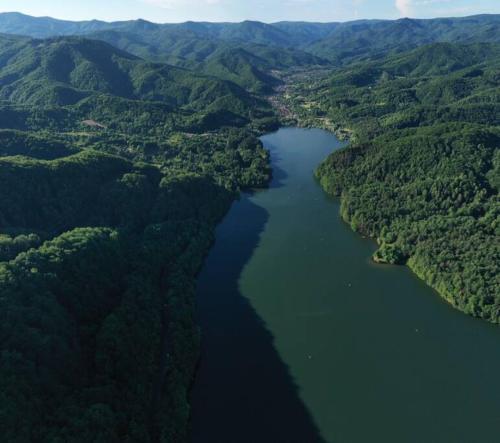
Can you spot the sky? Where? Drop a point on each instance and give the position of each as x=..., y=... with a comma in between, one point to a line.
x=170, y=11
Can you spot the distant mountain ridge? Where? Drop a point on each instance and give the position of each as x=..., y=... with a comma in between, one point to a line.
x=41, y=27
x=314, y=36
x=249, y=31
x=358, y=40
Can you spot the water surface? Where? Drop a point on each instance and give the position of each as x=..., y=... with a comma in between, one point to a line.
x=305, y=340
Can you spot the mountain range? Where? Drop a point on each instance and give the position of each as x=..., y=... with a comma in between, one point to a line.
x=337, y=42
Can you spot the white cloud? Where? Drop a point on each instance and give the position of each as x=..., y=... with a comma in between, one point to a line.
x=405, y=7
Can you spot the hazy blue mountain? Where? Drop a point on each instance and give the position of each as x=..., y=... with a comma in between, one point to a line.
x=247, y=31
x=375, y=38
x=306, y=32
x=335, y=40
x=441, y=59
x=17, y=23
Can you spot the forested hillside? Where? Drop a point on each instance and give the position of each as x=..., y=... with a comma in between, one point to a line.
x=114, y=172
x=97, y=334
x=66, y=71
x=71, y=79
x=422, y=173
x=246, y=63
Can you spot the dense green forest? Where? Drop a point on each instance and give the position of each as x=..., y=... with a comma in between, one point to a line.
x=78, y=74
x=123, y=144
x=98, y=337
x=114, y=172
x=421, y=175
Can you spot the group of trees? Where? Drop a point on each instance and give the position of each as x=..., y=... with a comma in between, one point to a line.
x=97, y=330
x=422, y=173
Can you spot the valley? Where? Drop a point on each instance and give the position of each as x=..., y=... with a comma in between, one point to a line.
x=231, y=232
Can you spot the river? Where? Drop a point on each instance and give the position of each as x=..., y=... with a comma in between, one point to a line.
x=306, y=340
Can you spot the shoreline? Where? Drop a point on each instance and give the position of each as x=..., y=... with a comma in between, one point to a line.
x=349, y=135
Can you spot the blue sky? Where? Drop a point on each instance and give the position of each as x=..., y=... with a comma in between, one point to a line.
x=237, y=10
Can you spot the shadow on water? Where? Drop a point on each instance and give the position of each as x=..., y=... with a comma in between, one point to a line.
x=279, y=174
x=243, y=392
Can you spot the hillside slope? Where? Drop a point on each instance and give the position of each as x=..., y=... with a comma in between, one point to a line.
x=86, y=74
x=246, y=64
x=64, y=70
x=421, y=175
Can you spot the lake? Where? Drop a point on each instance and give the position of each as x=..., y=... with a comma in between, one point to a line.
x=306, y=340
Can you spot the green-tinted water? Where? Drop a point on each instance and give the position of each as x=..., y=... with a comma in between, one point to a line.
x=305, y=340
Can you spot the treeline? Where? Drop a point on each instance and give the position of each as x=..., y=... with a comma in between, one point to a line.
x=422, y=173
